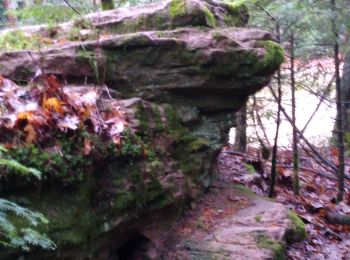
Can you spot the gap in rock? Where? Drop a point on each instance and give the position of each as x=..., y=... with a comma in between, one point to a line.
x=134, y=248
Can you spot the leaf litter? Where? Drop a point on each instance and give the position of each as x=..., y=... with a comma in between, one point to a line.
x=29, y=114
x=316, y=201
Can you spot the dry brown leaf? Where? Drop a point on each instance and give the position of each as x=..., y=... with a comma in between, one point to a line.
x=1, y=81
x=31, y=134
x=53, y=104
x=87, y=146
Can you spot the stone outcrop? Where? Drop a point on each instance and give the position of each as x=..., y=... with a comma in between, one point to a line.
x=256, y=232
x=185, y=53
x=180, y=69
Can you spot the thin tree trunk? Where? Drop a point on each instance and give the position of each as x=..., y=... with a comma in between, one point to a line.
x=295, y=136
x=11, y=20
x=241, y=130
x=322, y=98
x=259, y=121
x=339, y=123
x=345, y=85
x=278, y=121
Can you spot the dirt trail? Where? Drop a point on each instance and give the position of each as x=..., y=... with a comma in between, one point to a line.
x=228, y=222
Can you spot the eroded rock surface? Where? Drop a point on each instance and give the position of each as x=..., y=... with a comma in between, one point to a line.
x=179, y=69
x=255, y=232
x=229, y=222
x=185, y=53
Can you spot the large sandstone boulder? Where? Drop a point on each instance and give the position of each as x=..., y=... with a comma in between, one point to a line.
x=182, y=52
x=180, y=69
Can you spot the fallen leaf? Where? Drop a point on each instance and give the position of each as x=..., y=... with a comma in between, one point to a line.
x=53, y=104
x=87, y=146
x=31, y=134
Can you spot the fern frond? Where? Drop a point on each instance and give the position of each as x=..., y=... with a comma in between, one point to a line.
x=25, y=237
x=34, y=238
x=18, y=167
x=34, y=218
x=3, y=149
x=5, y=225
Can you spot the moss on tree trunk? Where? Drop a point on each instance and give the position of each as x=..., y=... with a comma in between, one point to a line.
x=107, y=4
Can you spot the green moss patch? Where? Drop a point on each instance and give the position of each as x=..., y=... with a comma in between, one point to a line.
x=209, y=17
x=274, y=56
x=19, y=40
x=198, y=144
x=237, y=14
x=263, y=241
x=296, y=231
x=177, y=8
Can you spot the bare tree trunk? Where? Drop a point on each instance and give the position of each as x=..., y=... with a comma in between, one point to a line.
x=345, y=85
x=11, y=20
x=259, y=121
x=241, y=130
x=296, y=187
x=278, y=121
x=339, y=123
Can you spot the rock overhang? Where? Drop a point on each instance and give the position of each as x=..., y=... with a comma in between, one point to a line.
x=202, y=67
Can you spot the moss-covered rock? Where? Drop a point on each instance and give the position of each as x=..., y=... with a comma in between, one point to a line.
x=85, y=196
x=177, y=8
x=296, y=231
x=264, y=241
x=182, y=71
x=274, y=56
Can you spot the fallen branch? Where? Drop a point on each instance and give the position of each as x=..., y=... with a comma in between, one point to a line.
x=315, y=172
x=337, y=218
x=72, y=7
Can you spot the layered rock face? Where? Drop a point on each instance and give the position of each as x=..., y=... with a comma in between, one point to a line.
x=180, y=69
x=185, y=53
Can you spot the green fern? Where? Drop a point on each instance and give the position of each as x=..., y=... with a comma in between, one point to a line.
x=22, y=237
x=16, y=166
x=20, y=168
x=10, y=234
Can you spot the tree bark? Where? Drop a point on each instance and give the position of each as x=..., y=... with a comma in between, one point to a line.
x=241, y=130
x=278, y=122
x=296, y=187
x=339, y=120
x=345, y=85
x=337, y=218
x=11, y=20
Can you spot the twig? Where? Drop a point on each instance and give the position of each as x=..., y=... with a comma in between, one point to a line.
x=267, y=12
x=259, y=121
x=301, y=136
x=72, y=7
x=319, y=103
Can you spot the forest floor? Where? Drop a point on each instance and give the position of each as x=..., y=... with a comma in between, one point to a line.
x=217, y=224
x=228, y=222
x=315, y=204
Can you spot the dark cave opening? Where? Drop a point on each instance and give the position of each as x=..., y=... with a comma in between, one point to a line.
x=134, y=248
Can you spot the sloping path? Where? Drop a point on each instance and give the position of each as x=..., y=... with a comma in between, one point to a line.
x=228, y=222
